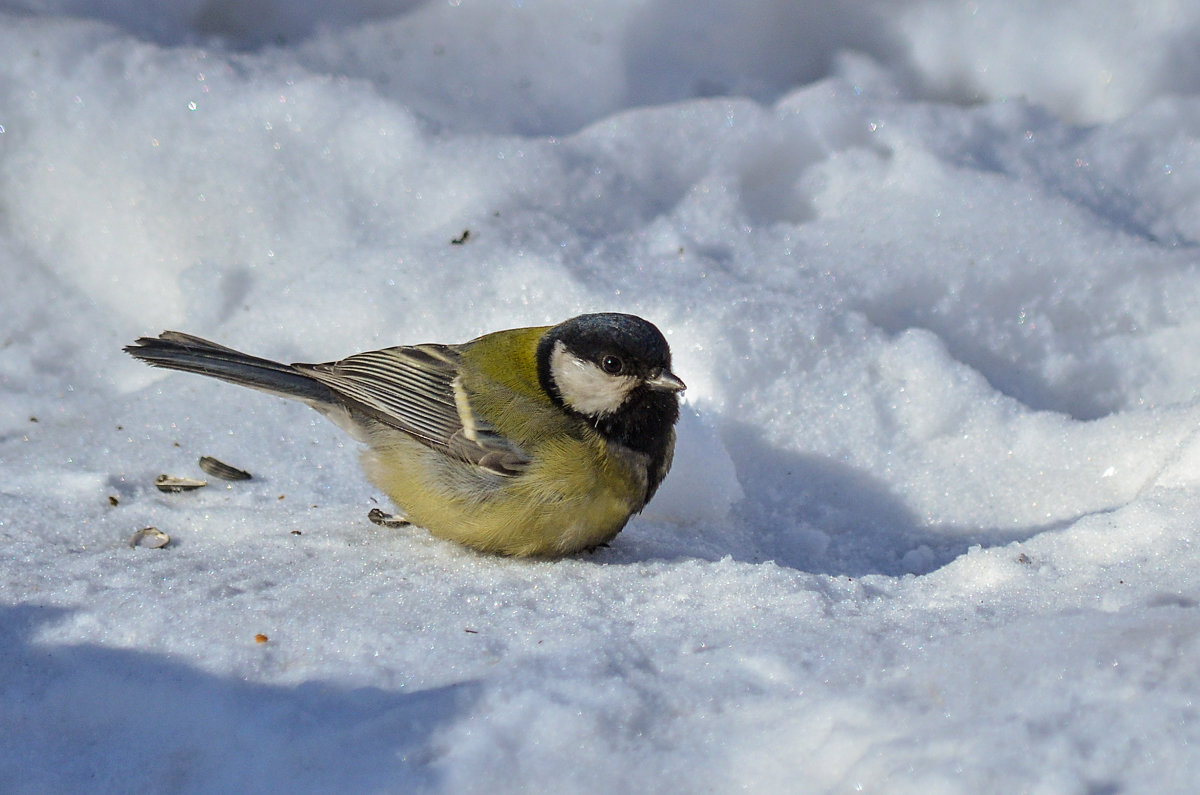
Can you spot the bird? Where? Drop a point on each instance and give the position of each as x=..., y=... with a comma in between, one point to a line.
x=527, y=442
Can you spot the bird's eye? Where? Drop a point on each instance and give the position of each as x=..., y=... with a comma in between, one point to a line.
x=612, y=364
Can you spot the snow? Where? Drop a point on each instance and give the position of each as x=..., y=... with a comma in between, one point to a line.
x=928, y=268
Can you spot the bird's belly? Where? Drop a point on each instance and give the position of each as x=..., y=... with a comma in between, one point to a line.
x=538, y=513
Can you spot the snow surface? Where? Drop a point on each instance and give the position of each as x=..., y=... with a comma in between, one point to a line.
x=928, y=268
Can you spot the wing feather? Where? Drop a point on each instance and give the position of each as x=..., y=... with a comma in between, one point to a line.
x=415, y=389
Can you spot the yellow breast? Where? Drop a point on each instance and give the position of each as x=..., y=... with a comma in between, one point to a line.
x=571, y=498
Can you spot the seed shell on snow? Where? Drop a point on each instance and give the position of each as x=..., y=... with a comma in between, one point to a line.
x=219, y=469
x=172, y=484
x=149, y=537
x=386, y=519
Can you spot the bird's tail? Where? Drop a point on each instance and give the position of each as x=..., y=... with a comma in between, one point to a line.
x=177, y=351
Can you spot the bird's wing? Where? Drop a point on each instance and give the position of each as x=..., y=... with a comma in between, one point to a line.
x=417, y=390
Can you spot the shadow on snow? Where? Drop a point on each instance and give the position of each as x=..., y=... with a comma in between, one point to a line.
x=117, y=720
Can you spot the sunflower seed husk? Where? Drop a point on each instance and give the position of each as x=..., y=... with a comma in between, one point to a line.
x=386, y=519
x=219, y=469
x=150, y=537
x=172, y=484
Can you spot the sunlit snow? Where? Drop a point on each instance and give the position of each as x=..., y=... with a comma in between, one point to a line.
x=929, y=270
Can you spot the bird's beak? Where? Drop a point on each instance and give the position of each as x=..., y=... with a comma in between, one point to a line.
x=667, y=382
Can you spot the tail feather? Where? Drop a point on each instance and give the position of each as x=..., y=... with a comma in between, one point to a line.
x=175, y=350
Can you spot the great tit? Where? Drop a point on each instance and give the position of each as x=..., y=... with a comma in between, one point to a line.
x=533, y=441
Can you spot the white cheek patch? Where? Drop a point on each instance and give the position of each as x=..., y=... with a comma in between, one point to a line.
x=585, y=387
